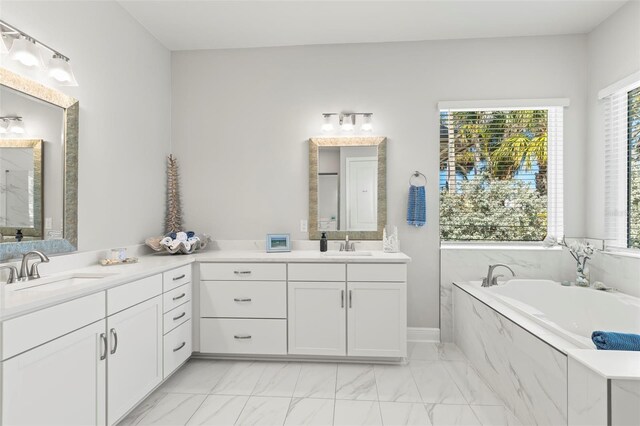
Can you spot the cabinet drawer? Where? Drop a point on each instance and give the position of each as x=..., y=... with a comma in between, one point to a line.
x=176, y=277
x=394, y=272
x=243, y=271
x=177, y=347
x=28, y=331
x=176, y=297
x=176, y=317
x=126, y=295
x=317, y=272
x=242, y=299
x=243, y=336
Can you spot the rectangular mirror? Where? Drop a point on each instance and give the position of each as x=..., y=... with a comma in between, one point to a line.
x=38, y=167
x=347, y=187
x=20, y=188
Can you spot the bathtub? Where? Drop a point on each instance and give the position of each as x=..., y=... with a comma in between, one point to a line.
x=571, y=312
x=524, y=338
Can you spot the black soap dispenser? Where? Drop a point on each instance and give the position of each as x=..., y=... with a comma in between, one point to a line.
x=323, y=242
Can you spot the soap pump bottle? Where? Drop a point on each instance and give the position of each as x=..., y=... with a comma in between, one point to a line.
x=323, y=242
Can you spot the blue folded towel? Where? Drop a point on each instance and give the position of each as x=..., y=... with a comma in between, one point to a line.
x=417, y=206
x=608, y=340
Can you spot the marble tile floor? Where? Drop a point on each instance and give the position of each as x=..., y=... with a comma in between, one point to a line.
x=437, y=387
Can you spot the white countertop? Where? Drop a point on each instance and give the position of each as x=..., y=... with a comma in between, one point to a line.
x=615, y=365
x=299, y=256
x=17, y=303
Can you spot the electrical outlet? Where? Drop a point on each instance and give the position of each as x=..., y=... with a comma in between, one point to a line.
x=303, y=225
x=47, y=223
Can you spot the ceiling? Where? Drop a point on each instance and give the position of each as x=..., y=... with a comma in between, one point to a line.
x=189, y=25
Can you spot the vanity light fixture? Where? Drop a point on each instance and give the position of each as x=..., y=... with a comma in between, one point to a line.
x=366, y=123
x=327, y=125
x=27, y=50
x=347, y=121
x=12, y=124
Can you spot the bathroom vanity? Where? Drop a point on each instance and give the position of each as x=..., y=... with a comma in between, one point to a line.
x=106, y=338
x=303, y=305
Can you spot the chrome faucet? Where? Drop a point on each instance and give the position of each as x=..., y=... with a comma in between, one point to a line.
x=27, y=274
x=490, y=279
x=346, y=245
x=14, y=275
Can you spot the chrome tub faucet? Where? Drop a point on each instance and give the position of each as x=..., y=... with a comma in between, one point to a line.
x=491, y=279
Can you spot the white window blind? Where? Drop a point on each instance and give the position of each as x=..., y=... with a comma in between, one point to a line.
x=622, y=166
x=501, y=172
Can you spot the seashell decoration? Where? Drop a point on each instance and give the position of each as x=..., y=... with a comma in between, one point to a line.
x=179, y=242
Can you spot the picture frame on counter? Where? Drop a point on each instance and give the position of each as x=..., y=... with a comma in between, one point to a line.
x=278, y=243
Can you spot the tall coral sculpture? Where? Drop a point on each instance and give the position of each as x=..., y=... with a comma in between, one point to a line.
x=173, y=220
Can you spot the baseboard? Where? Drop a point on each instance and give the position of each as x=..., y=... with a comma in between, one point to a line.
x=423, y=334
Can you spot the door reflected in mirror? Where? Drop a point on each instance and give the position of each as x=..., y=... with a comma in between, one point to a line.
x=347, y=188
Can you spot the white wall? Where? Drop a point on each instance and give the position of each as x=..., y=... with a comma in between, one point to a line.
x=613, y=53
x=241, y=119
x=124, y=92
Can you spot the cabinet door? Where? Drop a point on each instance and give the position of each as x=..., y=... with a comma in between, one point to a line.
x=135, y=355
x=377, y=318
x=59, y=383
x=317, y=319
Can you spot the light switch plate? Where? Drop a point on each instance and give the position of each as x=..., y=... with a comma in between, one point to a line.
x=303, y=225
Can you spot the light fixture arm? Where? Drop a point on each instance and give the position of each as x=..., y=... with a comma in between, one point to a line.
x=13, y=29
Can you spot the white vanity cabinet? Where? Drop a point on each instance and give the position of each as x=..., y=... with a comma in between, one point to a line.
x=177, y=304
x=354, y=310
x=54, y=365
x=317, y=309
x=135, y=344
x=243, y=308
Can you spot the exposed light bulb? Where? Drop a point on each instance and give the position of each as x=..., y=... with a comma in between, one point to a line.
x=60, y=71
x=16, y=126
x=3, y=46
x=25, y=51
x=327, y=125
x=347, y=122
x=366, y=123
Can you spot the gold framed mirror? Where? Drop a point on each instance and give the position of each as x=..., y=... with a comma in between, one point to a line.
x=21, y=205
x=64, y=236
x=347, y=187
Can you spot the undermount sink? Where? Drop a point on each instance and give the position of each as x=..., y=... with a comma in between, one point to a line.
x=347, y=253
x=57, y=282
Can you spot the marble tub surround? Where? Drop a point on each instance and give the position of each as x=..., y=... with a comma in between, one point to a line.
x=528, y=374
x=617, y=270
x=322, y=394
x=470, y=262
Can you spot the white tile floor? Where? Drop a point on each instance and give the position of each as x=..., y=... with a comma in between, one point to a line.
x=437, y=387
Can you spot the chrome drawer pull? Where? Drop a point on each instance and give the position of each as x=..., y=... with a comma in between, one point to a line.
x=179, y=347
x=350, y=299
x=103, y=338
x=180, y=277
x=180, y=297
x=240, y=337
x=115, y=341
x=242, y=272
x=242, y=299
x=342, y=299
x=179, y=316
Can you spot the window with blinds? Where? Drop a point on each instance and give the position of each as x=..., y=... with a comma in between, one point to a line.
x=622, y=166
x=501, y=173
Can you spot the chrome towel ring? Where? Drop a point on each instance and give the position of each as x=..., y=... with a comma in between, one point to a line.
x=417, y=174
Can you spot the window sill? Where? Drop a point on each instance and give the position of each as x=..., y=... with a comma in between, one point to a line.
x=498, y=245
x=631, y=253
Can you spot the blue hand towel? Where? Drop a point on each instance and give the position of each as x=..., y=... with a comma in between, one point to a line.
x=608, y=340
x=417, y=208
